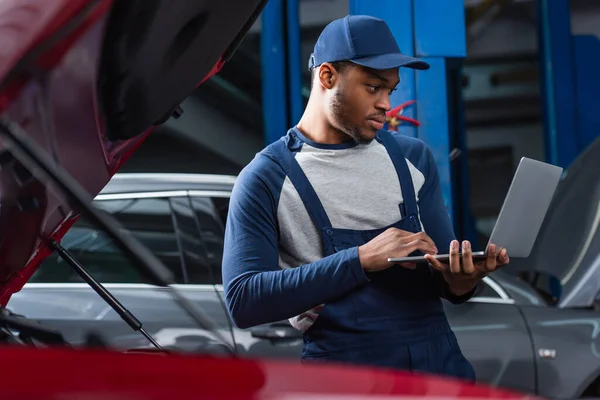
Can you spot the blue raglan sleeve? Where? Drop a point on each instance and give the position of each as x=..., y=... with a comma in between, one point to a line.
x=257, y=290
x=436, y=220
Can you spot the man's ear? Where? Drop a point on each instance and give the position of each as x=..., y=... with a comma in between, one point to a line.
x=327, y=75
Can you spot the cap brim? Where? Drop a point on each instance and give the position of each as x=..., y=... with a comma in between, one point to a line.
x=389, y=61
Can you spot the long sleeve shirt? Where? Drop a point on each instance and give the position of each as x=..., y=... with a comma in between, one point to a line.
x=274, y=267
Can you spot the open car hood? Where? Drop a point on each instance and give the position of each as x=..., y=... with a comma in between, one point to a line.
x=87, y=81
x=567, y=248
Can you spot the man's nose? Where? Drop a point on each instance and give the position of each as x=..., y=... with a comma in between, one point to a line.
x=383, y=102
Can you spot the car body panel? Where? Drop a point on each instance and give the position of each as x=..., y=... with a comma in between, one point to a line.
x=93, y=374
x=567, y=346
x=494, y=338
x=249, y=343
x=145, y=183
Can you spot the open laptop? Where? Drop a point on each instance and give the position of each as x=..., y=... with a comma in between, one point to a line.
x=522, y=212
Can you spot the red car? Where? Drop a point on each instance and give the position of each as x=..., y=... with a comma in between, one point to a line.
x=82, y=84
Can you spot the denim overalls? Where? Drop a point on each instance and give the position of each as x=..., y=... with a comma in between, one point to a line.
x=397, y=319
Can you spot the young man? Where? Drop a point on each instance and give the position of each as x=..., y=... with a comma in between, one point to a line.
x=315, y=216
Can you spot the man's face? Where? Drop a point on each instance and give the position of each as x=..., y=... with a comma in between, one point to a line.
x=359, y=100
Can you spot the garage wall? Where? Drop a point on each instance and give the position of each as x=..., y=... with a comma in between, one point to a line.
x=526, y=140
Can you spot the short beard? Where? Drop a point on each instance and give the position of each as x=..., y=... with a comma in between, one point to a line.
x=339, y=116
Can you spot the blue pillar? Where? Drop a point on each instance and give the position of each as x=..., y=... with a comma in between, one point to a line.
x=432, y=111
x=586, y=51
x=274, y=86
x=439, y=34
x=433, y=30
x=282, y=102
x=557, y=74
x=295, y=64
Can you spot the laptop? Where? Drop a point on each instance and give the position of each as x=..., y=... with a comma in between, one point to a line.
x=522, y=213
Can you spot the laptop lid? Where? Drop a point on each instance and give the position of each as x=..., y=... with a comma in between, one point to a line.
x=525, y=206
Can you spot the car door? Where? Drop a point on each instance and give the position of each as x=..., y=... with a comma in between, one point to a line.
x=276, y=340
x=494, y=337
x=57, y=296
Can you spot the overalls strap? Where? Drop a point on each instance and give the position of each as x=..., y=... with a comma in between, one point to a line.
x=404, y=175
x=280, y=153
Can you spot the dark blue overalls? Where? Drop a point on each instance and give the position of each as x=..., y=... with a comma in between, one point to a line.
x=397, y=319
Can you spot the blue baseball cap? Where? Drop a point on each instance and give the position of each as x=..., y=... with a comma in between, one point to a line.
x=363, y=40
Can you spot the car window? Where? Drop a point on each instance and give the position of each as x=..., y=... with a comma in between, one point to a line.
x=210, y=216
x=149, y=220
x=195, y=261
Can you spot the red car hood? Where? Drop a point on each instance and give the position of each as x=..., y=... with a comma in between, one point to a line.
x=107, y=375
x=87, y=81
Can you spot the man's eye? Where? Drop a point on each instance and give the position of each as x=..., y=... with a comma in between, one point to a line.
x=373, y=88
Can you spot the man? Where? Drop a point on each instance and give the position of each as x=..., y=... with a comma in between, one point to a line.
x=315, y=216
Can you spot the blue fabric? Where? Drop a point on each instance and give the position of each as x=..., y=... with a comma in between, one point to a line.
x=437, y=353
x=362, y=39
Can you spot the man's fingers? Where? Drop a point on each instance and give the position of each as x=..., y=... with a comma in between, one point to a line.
x=435, y=263
x=467, y=258
x=425, y=238
x=490, y=261
x=400, y=232
x=419, y=244
x=454, y=257
x=503, y=258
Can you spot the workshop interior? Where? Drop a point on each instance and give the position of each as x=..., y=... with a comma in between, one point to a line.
x=509, y=79
x=135, y=268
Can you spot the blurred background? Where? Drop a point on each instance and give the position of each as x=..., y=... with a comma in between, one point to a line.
x=509, y=78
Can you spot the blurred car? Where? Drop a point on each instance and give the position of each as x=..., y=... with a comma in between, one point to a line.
x=514, y=332
x=91, y=375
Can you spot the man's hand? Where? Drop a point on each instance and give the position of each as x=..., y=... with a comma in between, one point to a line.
x=391, y=244
x=463, y=276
